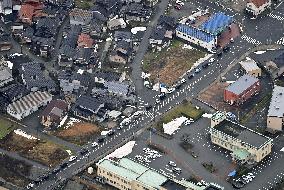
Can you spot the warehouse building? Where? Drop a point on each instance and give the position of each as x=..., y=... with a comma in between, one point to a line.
x=241, y=90
x=251, y=68
x=126, y=174
x=247, y=146
x=28, y=104
x=204, y=34
x=275, y=116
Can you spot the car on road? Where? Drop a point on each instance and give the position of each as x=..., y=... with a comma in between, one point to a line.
x=177, y=170
x=197, y=70
x=110, y=133
x=72, y=158
x=226, y=49
x=183, y=80
x=30, y=186
x=190, y=76
x=173, y=164
x=63, y=165
x=205, y=65
x=101, y=139
x=84, y=151
x=55, y=170
x=211, y=60
x=148, y=107
x=231, y=116
x=94, y=144
x=162, y=96
x=193, y=154
x=171, y=90
x=158, y=101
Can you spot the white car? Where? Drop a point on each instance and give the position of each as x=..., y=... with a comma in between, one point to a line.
x=94, y=144
x=197, y=70
x=72, y=158
x=188, y=122
x=170, y=90
x=182, y=80
x=171, y=163
x=211, y=60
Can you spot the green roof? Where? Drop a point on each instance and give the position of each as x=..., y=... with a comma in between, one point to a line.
x=133, y=166
x=241, y=154
x=123, y=172
x=152, y=178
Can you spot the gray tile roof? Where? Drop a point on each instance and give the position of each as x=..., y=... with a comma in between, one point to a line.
x=117, y=88
x=242, y=84
x=276, y=108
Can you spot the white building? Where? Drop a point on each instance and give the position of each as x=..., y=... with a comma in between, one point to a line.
x=251, y=68
x=275, y=116
x=255, y=7
x=5, y=76
x=116, y=23
x=28, y=104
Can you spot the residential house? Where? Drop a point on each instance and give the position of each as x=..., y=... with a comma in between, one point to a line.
x=256, y=7
x=5, y=42
x=7, y=7
x=28, y=104
x=122, y=36
x=275, y=116
x=5, y=76
x=14, y=92
x=85, y=41
x=151, y=3
x=104, y=76
x=42, y=46
x=87, y=107
x=80, y=17
x=247, y=146
x=250, y=67
x=117, y=88
x=95, y=28
x=116, y=23
x=17, y=29
x=136, y=12
x=35, y=79
x=118, y=57
x=242, y=90
x=27, y=35
x=54, y=113
x=111, y=7
x=158, y=39
x=121, y=53
x=29, y=10
x=276, y=67
x=85, y=56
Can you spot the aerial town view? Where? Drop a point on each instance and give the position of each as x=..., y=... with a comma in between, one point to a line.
x=142, y=94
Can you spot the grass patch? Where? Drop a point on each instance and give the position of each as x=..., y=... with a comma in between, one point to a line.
x=171, y=62
x=263, y=102
x=6, y=127
x=185, y=109
x=83, y=4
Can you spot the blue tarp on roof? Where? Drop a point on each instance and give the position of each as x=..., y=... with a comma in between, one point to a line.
x=232, y=173
x=216, y=23
x=196, y=33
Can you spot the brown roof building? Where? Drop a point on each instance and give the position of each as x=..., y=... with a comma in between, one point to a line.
x=255, y=7
x=54, y=113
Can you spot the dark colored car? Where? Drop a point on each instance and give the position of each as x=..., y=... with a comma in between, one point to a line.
x=205, y=65
x=64, y=165
x=178, y=86
x=101, y=139
x=55, y=171
x=148, y=107
x=84, y=151
x=226, y=49
x=190, y=76
x=162, y=96
x=110, y=133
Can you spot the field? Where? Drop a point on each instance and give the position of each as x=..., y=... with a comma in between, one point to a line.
x=44, y=152
x=6, y=127
x=14, y=171
x=79, y=133
x=184, y=109
x=170, y=63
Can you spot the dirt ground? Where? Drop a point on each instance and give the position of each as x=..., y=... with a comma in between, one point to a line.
x=44, y=152
x=214, y=96
x=14, y=171
x=79, y=133
x=170, y=63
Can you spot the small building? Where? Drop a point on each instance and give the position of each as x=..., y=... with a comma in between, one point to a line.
x=5, y=76
x=275, y=116
x=276, y=67
x=251, y=68
x=54, y=112
x=247, y=146
x=256, y=7
x=14, y=92
x=241, y=90
x=116, y=23
x=80, y=17
x=85, y=41
x=28, y=104
x=117, y=88
x=86, y=107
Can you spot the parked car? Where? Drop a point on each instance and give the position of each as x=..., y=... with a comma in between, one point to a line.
x=173, y=164
x=197, y=70
x=148, y=107
x=110, y=133
x=183, y=80
x=205, y=65
x=94, y=144
x=171, y=90
x=190, y=76
x=177, y=170
x=84, y=151
x=211, y=60
x=177, y=7
x=226, y=49
x=193, y=154
x=162, y=96
x=72, y=158
x=64, y=165
x=101, y=139
x=56, y=170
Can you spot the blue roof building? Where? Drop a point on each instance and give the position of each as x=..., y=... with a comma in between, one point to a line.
x=195, y=32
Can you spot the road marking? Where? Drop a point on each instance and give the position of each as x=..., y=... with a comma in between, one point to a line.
x=250, y=40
